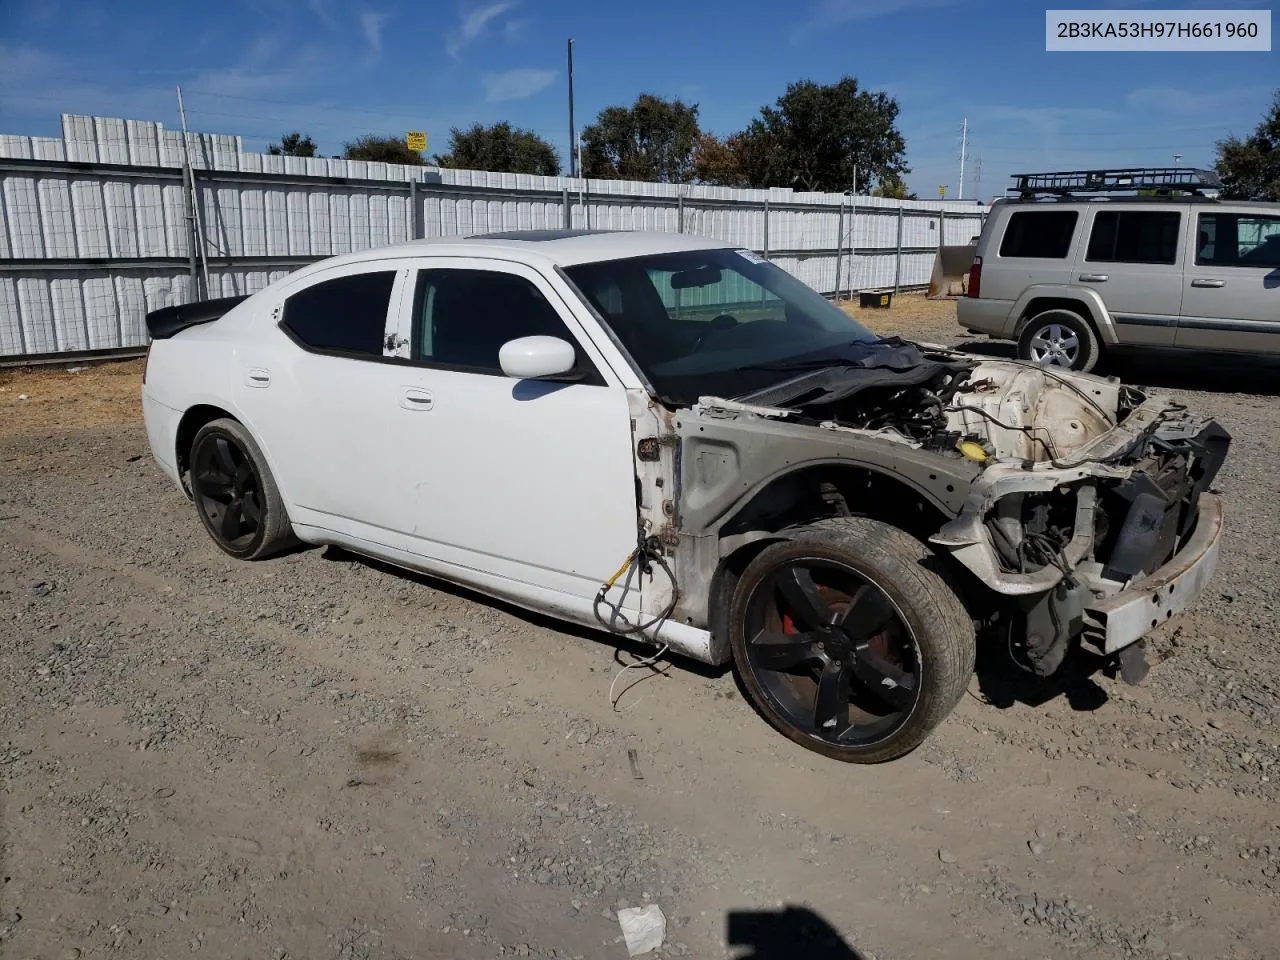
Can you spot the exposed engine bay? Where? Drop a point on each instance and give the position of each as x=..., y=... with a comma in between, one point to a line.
x=1086, y=485
x=939, y=400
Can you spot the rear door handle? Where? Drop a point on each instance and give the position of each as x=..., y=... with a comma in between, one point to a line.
x=1093, y=278
x=257, y=377
x=1203, y=282
x=415, y=398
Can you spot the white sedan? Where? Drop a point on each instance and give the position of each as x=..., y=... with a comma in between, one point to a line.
x=666, y=437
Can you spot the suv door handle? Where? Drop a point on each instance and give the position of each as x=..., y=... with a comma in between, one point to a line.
x=415, y=398
x=257, y=377
x=1203, y=282
x=1093, y=278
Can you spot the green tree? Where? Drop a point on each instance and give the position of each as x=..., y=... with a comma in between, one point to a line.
x=653, y=140
x=816, y=136
x=502, y=148
x=720, y=161
x=293, y=145
x=382, y=149
x=894, y=188
x=1250, y=168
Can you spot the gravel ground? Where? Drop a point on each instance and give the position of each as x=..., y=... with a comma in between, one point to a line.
x=317, y=756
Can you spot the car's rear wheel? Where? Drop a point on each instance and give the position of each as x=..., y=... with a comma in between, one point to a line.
x=848, y=641
x=235, y=494
x=1059, y=338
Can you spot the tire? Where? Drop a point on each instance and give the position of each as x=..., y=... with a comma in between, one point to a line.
x=235, y=495
x=927, y=635
x=1066, y=337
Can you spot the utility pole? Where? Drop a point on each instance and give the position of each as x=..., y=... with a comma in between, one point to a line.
x=1177, y=157
x=197, y=237
x=574, y=152
x=964, y=150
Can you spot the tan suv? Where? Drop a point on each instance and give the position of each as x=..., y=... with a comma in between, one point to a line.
x=1071, y=268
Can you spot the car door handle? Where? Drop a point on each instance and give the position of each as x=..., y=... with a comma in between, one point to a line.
x=1203, y=282
x=415, y=398
x=257, y=377
x=1093, y=278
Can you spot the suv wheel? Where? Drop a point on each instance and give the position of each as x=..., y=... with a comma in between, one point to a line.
x=848, y=642
x=1059, y=338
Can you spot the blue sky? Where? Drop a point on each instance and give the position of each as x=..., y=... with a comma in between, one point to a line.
x=339, y=68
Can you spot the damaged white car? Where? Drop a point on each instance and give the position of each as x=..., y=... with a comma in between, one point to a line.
x=664, y=437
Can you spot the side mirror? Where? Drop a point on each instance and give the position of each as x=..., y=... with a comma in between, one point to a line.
x=540, y=357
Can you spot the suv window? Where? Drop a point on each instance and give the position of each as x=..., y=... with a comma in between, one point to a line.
x=461, y=318
x=1040, y=234
x=344, y=315
x=1238, y=240
x=1134, y=236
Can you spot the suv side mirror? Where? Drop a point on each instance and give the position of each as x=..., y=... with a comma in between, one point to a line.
x=538, y=357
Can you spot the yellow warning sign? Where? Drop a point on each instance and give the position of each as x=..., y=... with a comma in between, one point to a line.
x=417, y=140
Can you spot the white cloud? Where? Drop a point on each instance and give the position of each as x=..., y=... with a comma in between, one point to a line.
x=1251, y=100
x=321, y=9
x=371, y=26
x=516, y=84
x=833, y=13
x=473, y=25
x=516, y=29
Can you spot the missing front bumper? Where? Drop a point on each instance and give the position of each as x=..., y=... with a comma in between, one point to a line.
x=1125, y=617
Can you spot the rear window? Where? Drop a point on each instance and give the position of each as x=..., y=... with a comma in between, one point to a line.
x=1238, y=240
x=1039, y=234
x=342, y=315
x=1134, y=236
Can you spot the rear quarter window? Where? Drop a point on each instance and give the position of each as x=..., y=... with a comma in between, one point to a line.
x=344, y=315
x=1039, y=234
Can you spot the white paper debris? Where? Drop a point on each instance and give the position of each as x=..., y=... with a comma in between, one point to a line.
x=23, y=396
x=643, y=928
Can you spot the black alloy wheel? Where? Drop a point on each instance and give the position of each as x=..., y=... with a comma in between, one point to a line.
x=235, y=494
x=850, y=639
x=831, y=651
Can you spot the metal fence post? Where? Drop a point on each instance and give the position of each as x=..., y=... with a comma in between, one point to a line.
x=766, y=229
x=897, y=259
x=415, y=221
x=853, y=242
x=567, y=210
x=680, y=213
x=193, y=235
x=839, y=244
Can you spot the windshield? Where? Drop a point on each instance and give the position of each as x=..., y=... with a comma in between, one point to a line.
x=717, y=322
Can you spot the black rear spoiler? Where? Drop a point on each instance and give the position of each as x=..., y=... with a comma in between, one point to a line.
x=167, y=321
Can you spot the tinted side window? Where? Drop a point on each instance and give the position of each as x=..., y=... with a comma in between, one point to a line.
x=461, y=318
x=346, y=314
x=1135, y=236
x=1044, y=234
x=1238, y=240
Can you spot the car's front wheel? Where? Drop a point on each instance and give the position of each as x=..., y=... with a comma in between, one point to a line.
x=1060, y=338
x=849, y=641
x=235, y=495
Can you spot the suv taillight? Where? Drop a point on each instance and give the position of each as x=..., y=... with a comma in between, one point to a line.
x=975, y=279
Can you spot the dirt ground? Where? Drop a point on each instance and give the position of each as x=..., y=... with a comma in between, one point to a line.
x=320, y=757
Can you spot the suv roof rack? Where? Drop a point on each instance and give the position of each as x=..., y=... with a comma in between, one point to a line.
x=1143, y=181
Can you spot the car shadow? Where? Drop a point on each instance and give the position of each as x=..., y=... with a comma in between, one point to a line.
x=784, y=934
x=1170, y=370
x=625, y=650
x=1003, y=683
